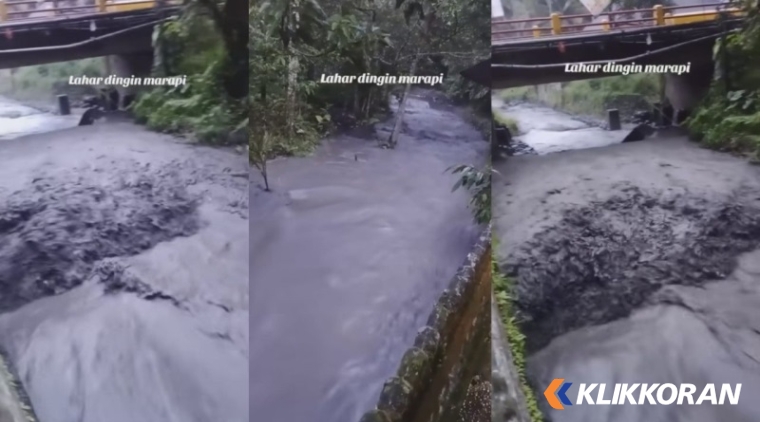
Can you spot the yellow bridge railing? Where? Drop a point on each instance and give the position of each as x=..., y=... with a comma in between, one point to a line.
x=36, y=10
x=557, y=24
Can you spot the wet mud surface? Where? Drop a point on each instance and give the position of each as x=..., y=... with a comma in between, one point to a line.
x=123, y=271
x=636, y=262
x=606, y=259
x=349, y=254
x=54, y=230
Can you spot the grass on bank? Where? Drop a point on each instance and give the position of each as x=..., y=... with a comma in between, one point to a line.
x=503, y=287
x=509, y=122
x=719, y=127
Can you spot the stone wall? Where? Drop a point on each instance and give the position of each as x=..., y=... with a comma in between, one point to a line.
x=445, y=375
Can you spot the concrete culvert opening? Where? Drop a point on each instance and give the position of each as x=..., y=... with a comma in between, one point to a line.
x=602, y=261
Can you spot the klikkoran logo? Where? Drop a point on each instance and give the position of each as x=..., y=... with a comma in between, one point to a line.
x=663, y=394
x=556, y=394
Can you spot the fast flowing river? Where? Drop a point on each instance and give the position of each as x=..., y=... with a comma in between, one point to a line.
x=349, y=253
x=636, y=263
x=123, y=271
x=17, y=120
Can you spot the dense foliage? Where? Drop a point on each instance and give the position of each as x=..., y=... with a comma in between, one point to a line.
x=211, y=104
x=294, y=42
x=729, y=117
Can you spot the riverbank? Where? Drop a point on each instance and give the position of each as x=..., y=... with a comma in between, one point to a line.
x=635, y=263
x=134, y=289
x=396, y=235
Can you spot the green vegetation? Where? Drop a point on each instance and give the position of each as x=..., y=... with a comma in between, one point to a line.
x=508, y=122
x=294, y=42
x=729, y=117
x=503, y=292
x=213, y=103
x=40, y=84
x=591, y=97
x=478, y=184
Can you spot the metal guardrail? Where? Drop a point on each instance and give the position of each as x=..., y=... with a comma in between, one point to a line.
x=37, y=10
x=558, y=25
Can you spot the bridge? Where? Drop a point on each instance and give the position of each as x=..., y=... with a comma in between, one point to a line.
x=535, y=51
x=34, y=32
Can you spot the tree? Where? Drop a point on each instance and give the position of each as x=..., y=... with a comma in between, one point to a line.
x=414, y=14
x=294, y=42
x=232, y=23
x=261, y=151
x=299, y=22
x=275, y=123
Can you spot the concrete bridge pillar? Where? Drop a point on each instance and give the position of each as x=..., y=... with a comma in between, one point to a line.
x=138, y=65
x=686, y=91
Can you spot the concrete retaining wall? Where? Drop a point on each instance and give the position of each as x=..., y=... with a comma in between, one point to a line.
x=14, y=405
x=445, y=375
x=509, y=403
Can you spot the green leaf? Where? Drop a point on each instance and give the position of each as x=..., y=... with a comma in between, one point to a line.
x=735, y=95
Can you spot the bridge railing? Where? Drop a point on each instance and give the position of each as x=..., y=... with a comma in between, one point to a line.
x=559, y=25
x=31, y=10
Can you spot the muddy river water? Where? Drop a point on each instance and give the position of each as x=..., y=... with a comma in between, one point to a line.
x=123, y=272
x=349, y=253
x=636, y=263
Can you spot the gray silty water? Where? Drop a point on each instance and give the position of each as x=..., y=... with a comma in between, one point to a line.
x=349, y=254
x=19, y=120
x=123, y=269
x=548, y=131
x=636, y=263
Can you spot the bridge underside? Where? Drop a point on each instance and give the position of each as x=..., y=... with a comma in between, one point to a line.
x=698, y=54
x=53, y=40
x=545, y=59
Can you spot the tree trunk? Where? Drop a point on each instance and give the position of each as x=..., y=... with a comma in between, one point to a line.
x=232, y=23
x=260, y=150
x=265, y=176
x=292, y=94
x=393, y=139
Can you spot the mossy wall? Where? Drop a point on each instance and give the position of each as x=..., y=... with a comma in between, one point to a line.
x=450, y=357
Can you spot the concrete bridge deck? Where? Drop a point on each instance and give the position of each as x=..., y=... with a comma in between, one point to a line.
x=49, y=31
x=565, y=27
x=25, y=11
x=534, y=51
